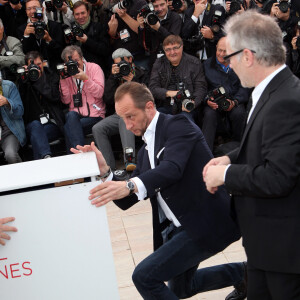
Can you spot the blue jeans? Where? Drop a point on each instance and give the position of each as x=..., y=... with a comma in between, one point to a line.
x=76, y=127
x=40, y=135
x=176, y=262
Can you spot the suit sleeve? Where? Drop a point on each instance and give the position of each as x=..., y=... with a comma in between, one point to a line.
x=278, y=171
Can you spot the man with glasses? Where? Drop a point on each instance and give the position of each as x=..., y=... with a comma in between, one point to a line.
x=51, y=44
x=174, y=73
x=263, y=173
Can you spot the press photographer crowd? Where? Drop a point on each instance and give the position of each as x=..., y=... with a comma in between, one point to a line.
x=63, y=61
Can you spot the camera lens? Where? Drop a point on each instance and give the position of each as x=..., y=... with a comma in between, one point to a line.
x=152, y=19
x=284, y=6
x=58, y=3
x=177, y=4
x=124, y=68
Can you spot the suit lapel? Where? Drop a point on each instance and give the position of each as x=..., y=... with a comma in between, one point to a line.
x=158, y=136
x=264, y=98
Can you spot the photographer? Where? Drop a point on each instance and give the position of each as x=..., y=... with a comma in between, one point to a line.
x=180, y=6
x=123, y=30
x=43, y=115
x=12, y=130
x=92, y=37
x=83, y=93
x=295, y=53
x=219, y=74
x=99, y=10
x=13, y=15
x=237, y=6
x=11, y=56
x=172, y=69
x=40, y=34
x=113, y=124
x=59, y=11
x=152, y=36
x=198, y=23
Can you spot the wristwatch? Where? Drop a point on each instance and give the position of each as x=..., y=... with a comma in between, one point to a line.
x=130, y=185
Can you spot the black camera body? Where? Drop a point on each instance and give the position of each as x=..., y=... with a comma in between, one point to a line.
x=182, y=98
x=194, y=44
x=49, y=6
x=77, y=30
x=77, y=100
x=125, y=68
x=39, y=26
x=284, y=5
x=72, y=68
x=216, y=22
x=235, y=6
x=32, y=73
x=149, y=15
x=218, y=96
x=58, y=3
x=69, y=36
x=177, y=4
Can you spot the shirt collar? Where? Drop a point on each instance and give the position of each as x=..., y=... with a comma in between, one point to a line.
x=226, y=69
x=150, y=131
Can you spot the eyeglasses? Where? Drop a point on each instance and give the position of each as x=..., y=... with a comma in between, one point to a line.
x=32, y=8
x=174, y=49
x=227, y=57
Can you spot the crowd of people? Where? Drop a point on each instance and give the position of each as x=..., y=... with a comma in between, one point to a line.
x=61, y=62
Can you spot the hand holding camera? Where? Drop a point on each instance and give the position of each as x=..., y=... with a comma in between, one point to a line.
x=29, y=29
x=207, y=32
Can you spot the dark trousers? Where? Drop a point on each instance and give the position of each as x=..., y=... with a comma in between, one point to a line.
x=265, y=285
x=211, y=119
x=176, y=262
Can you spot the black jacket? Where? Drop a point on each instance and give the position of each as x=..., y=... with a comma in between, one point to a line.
x=216, y=77
x=190, y=28
x=51, y=51
x=189, y=71
x=152, y=40
x=112, y=83
x=42, y=96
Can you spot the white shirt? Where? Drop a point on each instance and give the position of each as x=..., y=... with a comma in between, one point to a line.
x=149, y=138
x=256, y=94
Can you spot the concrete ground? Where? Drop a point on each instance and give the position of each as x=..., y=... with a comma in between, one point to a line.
x=131, y=237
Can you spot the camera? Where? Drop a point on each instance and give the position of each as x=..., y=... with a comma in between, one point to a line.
x=49, y=6
x=194, y=44
x=69, y=36
x=182, y=98
x=284, y=5
x=216, y=22
x=14, y=2
x=235, y=6
x=77, y=100
x=149, y=15
x=9, y=73
x=128, y=155
x=121, y=5
x=32, y=72
x=72, y=68
x=218, y=96
x=58, y=3
x=124, y=67
x=177, y=4
x=39, y=26
x=77, y=30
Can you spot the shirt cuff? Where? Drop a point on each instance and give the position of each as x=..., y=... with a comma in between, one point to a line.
x=142, y=191
x=226, y=172
x=194, y=19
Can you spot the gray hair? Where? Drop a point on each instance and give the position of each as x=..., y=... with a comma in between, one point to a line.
x=121, y=52
x=1, y=23
x=257, y=32
x=69, y=50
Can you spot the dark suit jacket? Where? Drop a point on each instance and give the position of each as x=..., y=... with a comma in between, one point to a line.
x=264, y=178
x=178, y=176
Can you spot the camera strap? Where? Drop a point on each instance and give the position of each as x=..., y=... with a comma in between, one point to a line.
x=3, y=42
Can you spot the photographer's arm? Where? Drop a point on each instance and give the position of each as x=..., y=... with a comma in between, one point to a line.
x=132, y=23
x=14, y=104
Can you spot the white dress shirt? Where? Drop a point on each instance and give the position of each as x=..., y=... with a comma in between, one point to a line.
x=149, y=138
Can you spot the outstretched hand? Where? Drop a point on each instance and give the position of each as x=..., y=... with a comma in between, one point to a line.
x=4, y=228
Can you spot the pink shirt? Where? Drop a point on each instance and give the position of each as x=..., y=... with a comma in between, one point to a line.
x=92, y=92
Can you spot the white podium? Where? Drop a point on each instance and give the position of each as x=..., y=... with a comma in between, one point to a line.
x=62, y=249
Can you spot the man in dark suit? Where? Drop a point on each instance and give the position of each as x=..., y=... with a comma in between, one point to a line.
x=263, y=173
x=189, y=224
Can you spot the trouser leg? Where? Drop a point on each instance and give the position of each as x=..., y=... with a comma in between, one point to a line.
x=10, y=146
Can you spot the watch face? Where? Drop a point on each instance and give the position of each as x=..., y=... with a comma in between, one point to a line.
x=130, y=185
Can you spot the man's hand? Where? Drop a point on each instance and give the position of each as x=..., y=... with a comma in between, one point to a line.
x=155, y=26
x=115, y=69
x=140, y=20
x=3, y=101
x=81, y=75
x=113, y=26
x=3, y=2
x=171, y=93
x=207, y=32
x=4, y=228
x=212, y=104
x=47, y=37
x=82, y=39
x=231, y=106
x=294, y=40
x=108, y=191
x=121, y=12
x=129, y=77
x=218, y=161
x=100, y=159
x=29, y=29
x=199, y=8
x=214, y=177
x=64, y=8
